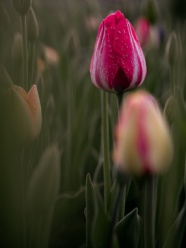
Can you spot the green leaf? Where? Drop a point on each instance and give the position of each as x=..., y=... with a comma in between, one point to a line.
x=5, y=80
x=101, y=224
x=42, y=192
x=113, y=192
x=12, y=206
x=69, y=220
x=115, y=243
x=128, y=230
x=90, y=210
x=44, y=183
x=101, y=230
x=97, y=222
x=185, y=179
x=177, y=231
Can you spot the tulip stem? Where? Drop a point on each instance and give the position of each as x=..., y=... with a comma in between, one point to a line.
x=122, y=181
x=149, y=212
x=32, y=63
x=24, y=51
x=105, y=144
x=118, y=197
x=121, y=207
x=119, y=98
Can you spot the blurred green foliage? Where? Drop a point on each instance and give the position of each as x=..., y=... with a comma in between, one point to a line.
x=71, y=114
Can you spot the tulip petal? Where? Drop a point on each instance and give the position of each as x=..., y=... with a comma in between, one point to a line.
x=142, y=141
x=142, y=28
x=33, y=106
x=104, y=66
x=129, y=54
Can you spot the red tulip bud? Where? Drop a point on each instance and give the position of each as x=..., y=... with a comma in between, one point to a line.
x=118, y=62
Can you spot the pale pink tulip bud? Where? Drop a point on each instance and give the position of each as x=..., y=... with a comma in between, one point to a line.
x=21, y=113
x=92, y=22
x=143, y=142
x=118, y=63
x=51, y=55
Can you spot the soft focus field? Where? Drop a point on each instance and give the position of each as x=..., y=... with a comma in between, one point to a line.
x=71, y=111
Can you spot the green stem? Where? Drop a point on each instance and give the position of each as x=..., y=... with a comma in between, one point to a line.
x=32, y=63
x=24, y=51
x=149, y=213
x=119, y=98
x=116, y=204
x=121, y=207
x=105, y=143
x=122, y=181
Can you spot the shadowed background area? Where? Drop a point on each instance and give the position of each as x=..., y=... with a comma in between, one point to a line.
x=70, y=137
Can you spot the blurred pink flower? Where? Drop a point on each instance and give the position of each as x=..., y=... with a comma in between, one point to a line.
x=143, y=141
x=150, y=36
x=51, y=58
x=92, y=22
x=142, y=28
x=118, y=63
x=51, y=55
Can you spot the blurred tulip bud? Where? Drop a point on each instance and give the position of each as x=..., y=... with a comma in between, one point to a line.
x=150, y=36
x=172, y=49
x=92, y=22
x=45, y=181
x=22, y=6
x=32, y=26
x=51, y=56
x=142, y=28
x=118, y=63
x=154, y=38
x=40, y=66
x=5, y=80
x=72, y=43
x=143, y=141
x=17, y=48
x=21, y=113
x=169, y=108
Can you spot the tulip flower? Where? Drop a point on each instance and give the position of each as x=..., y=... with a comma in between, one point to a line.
x=118, y=62
x=150, y=36
x=51, y=56
x=143, y=141
x=21, y=113
x=142, y=28
x=92, y=22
